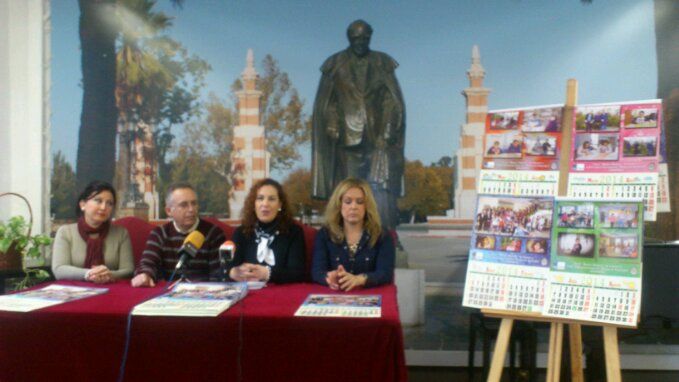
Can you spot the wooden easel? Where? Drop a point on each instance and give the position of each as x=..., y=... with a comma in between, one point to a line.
x=556, y=327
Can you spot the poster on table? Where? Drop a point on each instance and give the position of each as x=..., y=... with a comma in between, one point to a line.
x=525, y=139
x=595, y=261
x=509, y=254
x=617, y=138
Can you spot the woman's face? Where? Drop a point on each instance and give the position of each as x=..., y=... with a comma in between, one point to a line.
x=98, y=208
x=267, y=204
x=353, y=206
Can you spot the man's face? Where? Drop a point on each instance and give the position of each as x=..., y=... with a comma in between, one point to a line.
x=183, y=208
x=359, y=40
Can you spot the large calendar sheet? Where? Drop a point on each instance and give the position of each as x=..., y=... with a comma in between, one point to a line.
x=617, y=138
x=509, y=256
x=521, y=151
x=596, y=261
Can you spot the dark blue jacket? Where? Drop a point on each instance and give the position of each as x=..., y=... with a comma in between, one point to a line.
x=376, y=262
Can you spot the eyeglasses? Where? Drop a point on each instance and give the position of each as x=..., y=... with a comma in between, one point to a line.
x=186, y=204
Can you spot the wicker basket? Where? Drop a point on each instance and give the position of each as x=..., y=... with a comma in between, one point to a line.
x=12, y=259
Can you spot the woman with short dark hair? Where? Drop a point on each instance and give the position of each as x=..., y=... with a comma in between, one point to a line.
x=92, y=249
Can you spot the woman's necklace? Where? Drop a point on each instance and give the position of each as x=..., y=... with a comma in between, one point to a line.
x=353, y=248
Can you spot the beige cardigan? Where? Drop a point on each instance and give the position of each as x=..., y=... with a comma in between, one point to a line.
x=69, y=251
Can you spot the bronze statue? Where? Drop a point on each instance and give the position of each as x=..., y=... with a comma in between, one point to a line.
x=359, y=123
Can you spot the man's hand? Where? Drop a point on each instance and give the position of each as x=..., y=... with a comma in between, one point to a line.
x=142, y=280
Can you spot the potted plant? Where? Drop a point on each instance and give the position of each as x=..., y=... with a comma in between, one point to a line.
x=17, y=244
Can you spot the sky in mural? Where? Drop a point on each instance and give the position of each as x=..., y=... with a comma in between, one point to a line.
x=528, y=48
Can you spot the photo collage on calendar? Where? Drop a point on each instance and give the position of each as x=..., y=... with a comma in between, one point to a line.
x=509, y=254
x=616, y=137
x=597, y=237
x=596, y=260
x=523, y=139
x=616, y=152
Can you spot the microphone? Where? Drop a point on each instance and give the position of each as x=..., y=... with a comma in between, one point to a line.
x=190, y=247
x=226, y=251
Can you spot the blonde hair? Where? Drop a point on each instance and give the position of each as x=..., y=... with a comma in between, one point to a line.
x=333, y=211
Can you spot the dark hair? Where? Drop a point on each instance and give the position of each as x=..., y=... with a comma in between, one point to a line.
x=249, y=216
x=91, y=190
x=176, y=186
x=356, y=24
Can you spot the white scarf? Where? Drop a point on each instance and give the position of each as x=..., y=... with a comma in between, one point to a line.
x=264, y=252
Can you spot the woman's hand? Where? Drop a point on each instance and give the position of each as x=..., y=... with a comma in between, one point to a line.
x=99, y=274
x=332, y=280
x=348, y=281
x=249, y=272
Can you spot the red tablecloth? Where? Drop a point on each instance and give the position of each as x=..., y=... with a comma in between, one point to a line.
x=84, y=340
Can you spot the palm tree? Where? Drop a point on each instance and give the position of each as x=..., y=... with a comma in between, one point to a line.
x=137, y=67
x=96, y=142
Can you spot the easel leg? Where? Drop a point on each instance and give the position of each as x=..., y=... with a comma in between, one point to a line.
x=612, y=354
x=554, y=355
x=575, y=341
x=501, y=343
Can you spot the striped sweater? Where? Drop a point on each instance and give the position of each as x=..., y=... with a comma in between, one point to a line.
x=161, y=253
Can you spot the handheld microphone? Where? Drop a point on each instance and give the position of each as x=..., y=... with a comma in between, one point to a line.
x=226, y=251
x=190, y=247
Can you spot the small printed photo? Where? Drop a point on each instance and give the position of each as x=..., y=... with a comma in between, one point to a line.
x=619, y=215
x=597, y=118
x=575, y=244
x=510, y=244
x=485, y=242
x=508, y=120
x=639, y=146
x=536, y=246
x=592, y=147
x=641, y=118
x=508, y=145
x=576, y=216
x=617, y=245
x=540, y=145
x=542, y=120
x=514, y=216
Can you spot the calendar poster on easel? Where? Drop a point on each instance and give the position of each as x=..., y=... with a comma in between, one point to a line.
x=509, y=255
x=596, y=261
x=663, y=197
x=620, y=139
x=517, y=143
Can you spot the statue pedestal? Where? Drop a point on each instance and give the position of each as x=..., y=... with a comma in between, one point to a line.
x=138, y=210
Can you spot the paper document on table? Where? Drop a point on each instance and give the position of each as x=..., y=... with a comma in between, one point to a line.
x=47, y=296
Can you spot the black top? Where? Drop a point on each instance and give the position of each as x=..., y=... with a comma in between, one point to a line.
x=288, y=249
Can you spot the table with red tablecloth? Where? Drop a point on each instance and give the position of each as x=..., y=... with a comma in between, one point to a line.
x=257, y=339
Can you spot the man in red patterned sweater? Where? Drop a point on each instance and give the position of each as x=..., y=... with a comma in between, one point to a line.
x=161, y=253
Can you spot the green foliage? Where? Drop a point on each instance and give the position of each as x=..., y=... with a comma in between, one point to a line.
x=204, y=157
x=427, y=190
x=15, y=233
x=63, y=188
x=287, y=126
x=212, y=189
x=298, y=188
x=158, y=81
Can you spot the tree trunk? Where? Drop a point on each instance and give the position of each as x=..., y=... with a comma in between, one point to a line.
x=667, y=50
x=96, y=143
